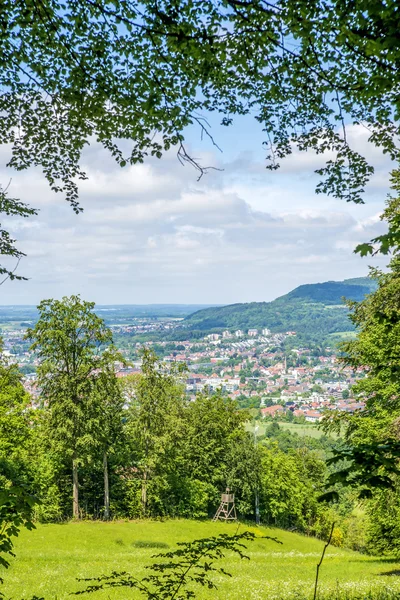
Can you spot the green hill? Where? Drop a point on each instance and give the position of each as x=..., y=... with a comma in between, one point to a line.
x=332, y=292
x=313, y=310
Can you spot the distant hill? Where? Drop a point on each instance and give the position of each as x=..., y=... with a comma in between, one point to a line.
x=332, y=292
x=313, y=310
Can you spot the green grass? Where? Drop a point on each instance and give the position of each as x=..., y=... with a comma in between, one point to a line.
x=302, y=429
x=341, y=336
x=50, y=559
x=309, y=430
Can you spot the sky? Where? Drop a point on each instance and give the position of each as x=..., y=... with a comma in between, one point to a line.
x=152, y=233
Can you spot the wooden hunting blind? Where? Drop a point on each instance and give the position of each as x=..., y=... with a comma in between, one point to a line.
x=227, y=509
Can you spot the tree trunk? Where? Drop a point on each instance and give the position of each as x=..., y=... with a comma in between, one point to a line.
x=106, y=488
x=75, y=490
x=144, y=492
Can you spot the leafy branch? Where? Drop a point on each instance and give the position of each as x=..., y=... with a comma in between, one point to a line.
x=367, y=466
x=11, y=207
x=16, y=511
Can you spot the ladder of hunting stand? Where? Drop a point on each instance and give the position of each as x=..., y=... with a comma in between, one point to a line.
x=227, y=509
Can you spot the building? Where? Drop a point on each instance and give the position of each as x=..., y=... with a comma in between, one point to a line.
x=312, y=416
x=272, y=411
x=213, y=337
x=252, y=332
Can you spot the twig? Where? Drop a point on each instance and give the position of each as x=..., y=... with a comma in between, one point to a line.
x=11, y=273
x=320, y=562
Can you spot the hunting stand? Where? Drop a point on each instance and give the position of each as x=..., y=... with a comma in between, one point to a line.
x=227, y=509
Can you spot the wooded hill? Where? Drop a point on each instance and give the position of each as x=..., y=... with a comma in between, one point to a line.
x=312, y=310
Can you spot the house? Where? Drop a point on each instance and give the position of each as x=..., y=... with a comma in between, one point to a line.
x=312, y=416
x=272, y=411
x=298, y=412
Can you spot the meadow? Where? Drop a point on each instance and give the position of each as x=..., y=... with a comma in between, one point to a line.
x=343, y=336
x=50, y=559
x=302, y=429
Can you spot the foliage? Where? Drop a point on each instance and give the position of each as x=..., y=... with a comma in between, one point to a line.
x=16, y=511
x=182, y=453
x=370, y=460
x=154, y=425
x=11, y=207
x=389, y=241
x=383, y=526
x=21, y=438
x=289, y=491
x=107, y=424
x=367, y=466
x=120, y=70
x=214, y=427
x=14, y=402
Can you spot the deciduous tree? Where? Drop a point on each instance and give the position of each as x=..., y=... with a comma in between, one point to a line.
x=69, y=339
x=108, y=427
x=156, y=403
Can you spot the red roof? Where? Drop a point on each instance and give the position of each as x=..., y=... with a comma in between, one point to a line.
x=271, y=410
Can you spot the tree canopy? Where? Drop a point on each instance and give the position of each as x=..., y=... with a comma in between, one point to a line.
x=133, y=76
x=143, y=71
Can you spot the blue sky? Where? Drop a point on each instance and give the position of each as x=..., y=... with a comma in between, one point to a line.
x=154, y=234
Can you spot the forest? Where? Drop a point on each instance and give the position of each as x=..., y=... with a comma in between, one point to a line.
x=313, y=311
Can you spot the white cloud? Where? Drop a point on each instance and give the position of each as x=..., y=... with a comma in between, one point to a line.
x=152, y=233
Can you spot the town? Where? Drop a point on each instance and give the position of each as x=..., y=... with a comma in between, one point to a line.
x=255, y=367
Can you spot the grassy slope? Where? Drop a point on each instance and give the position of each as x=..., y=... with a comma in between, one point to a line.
x=50, y=558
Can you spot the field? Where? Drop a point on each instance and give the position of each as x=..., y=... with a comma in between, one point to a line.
x=343, y=336
x=50, y=559
x=304, y=429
